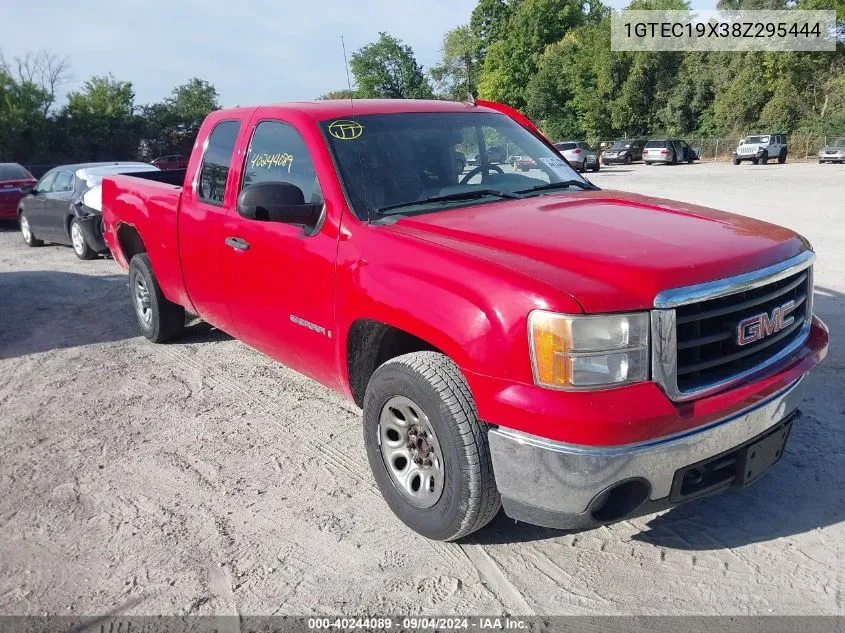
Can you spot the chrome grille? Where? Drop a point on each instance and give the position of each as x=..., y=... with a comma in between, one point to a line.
x=695, y=330
x=707, y=331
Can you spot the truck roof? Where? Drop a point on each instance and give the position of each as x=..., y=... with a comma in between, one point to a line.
x=335, y=108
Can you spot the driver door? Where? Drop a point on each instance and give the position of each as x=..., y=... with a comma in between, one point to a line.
x=282, y=279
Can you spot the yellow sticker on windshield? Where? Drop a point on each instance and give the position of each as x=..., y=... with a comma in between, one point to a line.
x=345, y=130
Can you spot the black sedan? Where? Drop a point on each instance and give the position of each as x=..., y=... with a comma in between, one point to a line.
x=63, y=207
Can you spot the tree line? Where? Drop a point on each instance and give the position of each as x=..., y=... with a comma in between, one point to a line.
x=552, y=60
x=549, y=58
x=100, y=121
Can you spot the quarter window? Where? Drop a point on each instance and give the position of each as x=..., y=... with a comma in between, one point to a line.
x=277, y=153
x=215, y=163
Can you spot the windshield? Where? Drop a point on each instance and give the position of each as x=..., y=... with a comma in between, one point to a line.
x=565, y=146
x=651, y=144
x=13, y=171
x=839, y=143
x=621, y=145
x=756, y=139
x=397, y=163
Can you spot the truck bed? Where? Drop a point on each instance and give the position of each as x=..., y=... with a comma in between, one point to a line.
x=147, y=202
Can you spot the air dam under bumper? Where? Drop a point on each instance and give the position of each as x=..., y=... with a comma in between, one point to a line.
x=566, y=486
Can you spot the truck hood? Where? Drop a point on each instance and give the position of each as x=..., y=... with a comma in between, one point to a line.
x=611, y=251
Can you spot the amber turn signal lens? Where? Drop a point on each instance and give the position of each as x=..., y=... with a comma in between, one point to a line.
x=551, y=338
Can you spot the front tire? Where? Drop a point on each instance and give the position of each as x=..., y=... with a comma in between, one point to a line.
x=28, y=236
x=736, y=160
x=159, y=319
x=427, y=449
x=628, y=159
x=764, y=157
x=77, y=238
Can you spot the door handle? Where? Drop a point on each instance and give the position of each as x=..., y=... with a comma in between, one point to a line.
x=237, y=243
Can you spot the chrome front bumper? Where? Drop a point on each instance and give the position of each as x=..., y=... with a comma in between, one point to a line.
x=554, y=484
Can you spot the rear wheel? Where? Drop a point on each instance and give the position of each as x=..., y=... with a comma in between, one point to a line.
x=596, y=166
x=77, y=238
x=427, y=448
x=782, y=156
x=159, y=319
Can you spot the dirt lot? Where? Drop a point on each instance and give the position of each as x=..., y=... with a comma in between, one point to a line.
x=202, y=477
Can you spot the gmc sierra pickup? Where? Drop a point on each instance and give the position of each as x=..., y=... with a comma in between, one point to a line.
x=520, y=339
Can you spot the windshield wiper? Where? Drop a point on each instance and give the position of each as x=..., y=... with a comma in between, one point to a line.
x=561, y=185
x=462, y=195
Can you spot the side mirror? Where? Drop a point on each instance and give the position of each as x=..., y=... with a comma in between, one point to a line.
x=277, y=202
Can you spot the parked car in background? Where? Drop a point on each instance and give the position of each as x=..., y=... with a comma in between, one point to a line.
x=833, y=153
x=578, y=154
x=579, y=356
x=15, y=181
x=495, y=154
x=64, y=206
x=625, y=152
x=173, y=161
x=670, y=150
x=525, y=163
x=759, y=149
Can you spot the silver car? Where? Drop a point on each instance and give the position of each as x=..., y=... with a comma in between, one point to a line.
x=833, y=153
x=578, y=154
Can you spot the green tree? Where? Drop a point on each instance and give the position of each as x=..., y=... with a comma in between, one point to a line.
x=511, y=62
x=487, y=23
x=99, y=120
x=344, y=93
x=387, y=69
x=455, y=75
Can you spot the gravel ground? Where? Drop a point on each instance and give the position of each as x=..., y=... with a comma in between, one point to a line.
x=202, y=477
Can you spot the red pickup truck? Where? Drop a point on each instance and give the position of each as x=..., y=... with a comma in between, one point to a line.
x=514, y=338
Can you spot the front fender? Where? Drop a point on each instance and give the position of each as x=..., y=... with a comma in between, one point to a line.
x=472, y=310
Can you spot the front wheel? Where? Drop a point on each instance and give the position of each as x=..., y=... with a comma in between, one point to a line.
x=596, y=167
x=427, y=448
x=764, y=157
x=26, y=231
x=736, y=160
x=77, y=238
x=628, y=159
x=158, y=318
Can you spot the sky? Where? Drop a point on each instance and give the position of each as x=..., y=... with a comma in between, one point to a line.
x=253, y=51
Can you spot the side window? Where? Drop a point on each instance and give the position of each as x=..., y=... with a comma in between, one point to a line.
x=277, y=153
x=64, y=181
x=215, y=162
x=46, y=183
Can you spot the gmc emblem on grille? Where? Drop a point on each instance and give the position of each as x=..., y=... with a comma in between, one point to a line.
x=759, y=326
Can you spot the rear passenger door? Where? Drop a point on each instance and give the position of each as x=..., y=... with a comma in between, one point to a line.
x=204, y=205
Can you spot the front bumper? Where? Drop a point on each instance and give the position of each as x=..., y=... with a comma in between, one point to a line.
x=568, y=486
x=92, y=228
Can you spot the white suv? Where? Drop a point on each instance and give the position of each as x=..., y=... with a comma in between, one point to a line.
x=759, y=149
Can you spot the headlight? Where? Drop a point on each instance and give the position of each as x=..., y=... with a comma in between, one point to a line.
x=585, y=351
